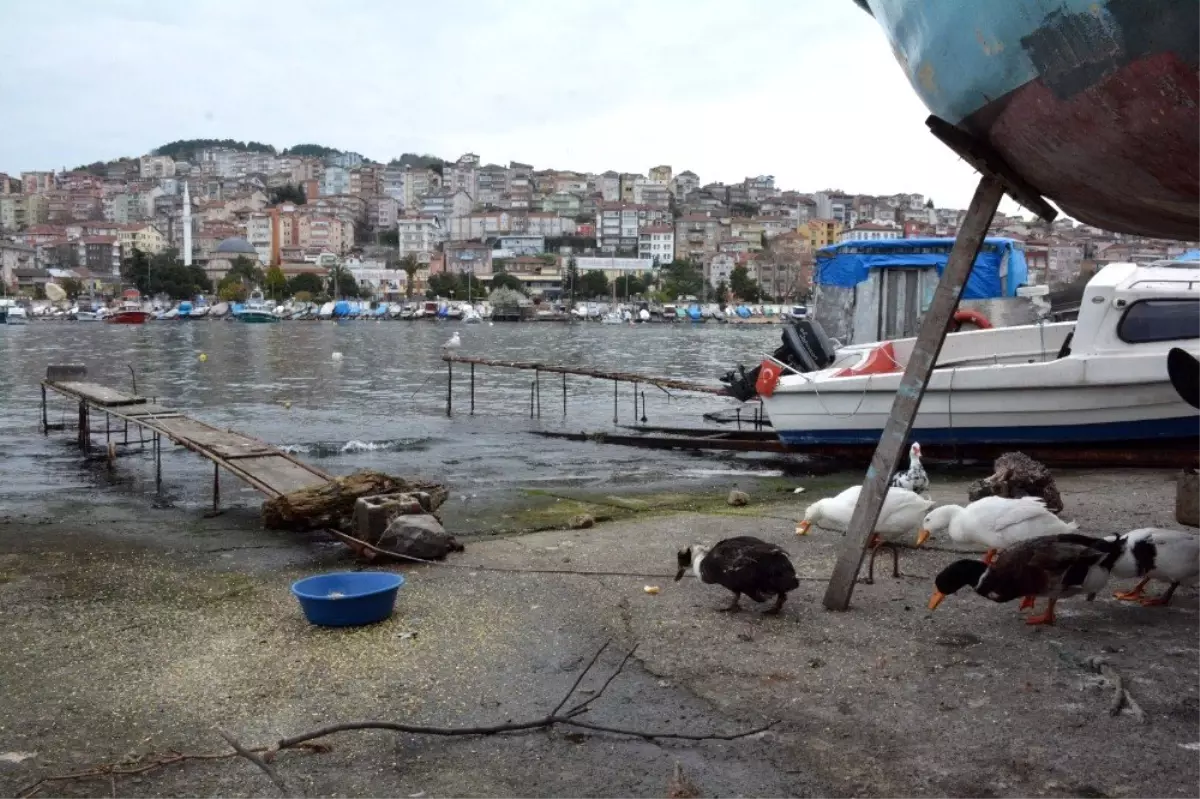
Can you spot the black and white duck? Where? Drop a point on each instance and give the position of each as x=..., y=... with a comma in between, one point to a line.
x=744, y=565
x=915, y=479
x=1053, y=566
x=1156, y=553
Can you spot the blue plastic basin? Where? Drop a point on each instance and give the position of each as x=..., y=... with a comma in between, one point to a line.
x=348, y=599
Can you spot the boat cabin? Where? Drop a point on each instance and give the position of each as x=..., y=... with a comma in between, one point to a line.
x=866, y=291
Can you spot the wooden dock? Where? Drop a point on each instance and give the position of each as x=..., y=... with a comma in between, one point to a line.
x=265, y=467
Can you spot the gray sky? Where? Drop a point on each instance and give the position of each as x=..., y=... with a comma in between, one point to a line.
x=806, y=90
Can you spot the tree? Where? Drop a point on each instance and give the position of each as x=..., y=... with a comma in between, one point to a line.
x=302, y=296
x=443, y=284
x=410, y=266
x=347, y=285
x=390, y=238
x=164, y=273
x=630, y=285
x=276, y=283
x=722, y=292
x=72, y=286
x=571, y=278
x=929, y=203
x=682, y=278
x=593, y=284
x=502, y=281
x=231, y=290
x=291, y=193
x=306, y=283
x=247, y=271
x=743, y=286
x=311, y=150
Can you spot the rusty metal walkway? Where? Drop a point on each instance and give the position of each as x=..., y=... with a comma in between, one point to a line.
x=265, y=467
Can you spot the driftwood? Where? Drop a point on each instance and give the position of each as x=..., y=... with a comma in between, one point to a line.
x=331, y=505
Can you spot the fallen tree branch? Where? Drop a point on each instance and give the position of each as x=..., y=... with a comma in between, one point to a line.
x=1100, y=665
x=263, y=765
x=305, y=739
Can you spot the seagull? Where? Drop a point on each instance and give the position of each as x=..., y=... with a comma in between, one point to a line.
x=453, y=343
x=337, y=356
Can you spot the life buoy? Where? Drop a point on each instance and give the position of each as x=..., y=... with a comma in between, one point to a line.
x=768, y=378
x=970, y=318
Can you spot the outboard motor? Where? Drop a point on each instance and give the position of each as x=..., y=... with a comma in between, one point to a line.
x=805, y=348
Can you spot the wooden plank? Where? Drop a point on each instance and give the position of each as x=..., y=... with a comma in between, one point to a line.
x=279, y=473
x=98, y=394
x=912, y=387
x=148, y=409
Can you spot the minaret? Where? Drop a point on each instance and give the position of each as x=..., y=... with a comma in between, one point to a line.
x=187, y=226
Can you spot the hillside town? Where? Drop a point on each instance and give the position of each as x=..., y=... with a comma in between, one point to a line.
x=396, y=226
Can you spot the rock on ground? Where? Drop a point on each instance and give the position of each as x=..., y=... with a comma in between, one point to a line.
x=419, y=536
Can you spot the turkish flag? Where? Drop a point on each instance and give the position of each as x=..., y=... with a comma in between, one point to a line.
x=768, y=377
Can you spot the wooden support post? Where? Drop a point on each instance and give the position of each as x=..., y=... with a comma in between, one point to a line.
x=216, y=488
x=912, y=386
x=537, y=382
x=635, y=401
x=564, y=377
x=472, y=389
x=615, y=402
x=449, y=386
x=107, y=433
x=531, y=390
x=644, y=420
x=157, y=463
x=46, y=420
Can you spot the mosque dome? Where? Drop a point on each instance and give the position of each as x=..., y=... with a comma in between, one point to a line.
x=236, y=246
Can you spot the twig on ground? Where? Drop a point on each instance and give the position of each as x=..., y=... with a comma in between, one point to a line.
x=582, y=706
x=263, y=765
x=579, y=679
x=1099, y=665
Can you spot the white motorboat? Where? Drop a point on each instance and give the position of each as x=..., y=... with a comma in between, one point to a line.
x=1102, y=378
x=16, y=315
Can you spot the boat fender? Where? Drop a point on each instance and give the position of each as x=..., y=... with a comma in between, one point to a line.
x=971, y=318
x=768, y=378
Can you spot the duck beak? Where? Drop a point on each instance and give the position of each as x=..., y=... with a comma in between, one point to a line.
x=922, y=536
x=936, y=600
x=679, y=574
x=802, y=527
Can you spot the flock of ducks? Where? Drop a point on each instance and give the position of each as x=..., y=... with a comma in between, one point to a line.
x=1030, y=552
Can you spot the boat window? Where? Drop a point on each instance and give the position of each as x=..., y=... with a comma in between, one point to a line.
x=1160, y=320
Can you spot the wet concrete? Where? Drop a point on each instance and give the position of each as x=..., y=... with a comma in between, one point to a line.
x=118, y=642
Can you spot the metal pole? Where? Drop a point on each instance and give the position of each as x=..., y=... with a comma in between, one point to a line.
x=614, y=402
x=157, y=463
x=216, y=488
x=531, y=390
x=564, y=393
x=643, y=407
x=472, y=389
x=449, y=385
x=537, y=381
x=917, y=372
x=635, y=400
x=107, y=436
x=46, y=421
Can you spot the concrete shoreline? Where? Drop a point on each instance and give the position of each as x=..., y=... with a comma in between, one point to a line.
x=117, y=643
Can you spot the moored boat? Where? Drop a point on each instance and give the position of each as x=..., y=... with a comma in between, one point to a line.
x=1102, y=378
x=255, y=311
x=131, y=311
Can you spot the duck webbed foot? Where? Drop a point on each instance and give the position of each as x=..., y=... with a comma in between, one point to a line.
x=733, y=607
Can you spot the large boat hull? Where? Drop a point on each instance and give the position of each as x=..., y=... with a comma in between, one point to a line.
x=1095, y=104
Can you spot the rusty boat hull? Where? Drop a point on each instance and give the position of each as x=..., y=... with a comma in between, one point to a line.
x=1094, y=104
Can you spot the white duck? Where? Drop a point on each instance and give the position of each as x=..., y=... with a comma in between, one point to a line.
x=915, y=479
x=995, y=523
x=1154, y=553
x=452, y=343
x=899, y=519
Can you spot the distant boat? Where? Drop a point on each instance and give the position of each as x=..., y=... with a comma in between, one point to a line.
x=183, y=310
x=326, y=311
x=16, y=315
x=694, y=313
x=255, y=311
x=131, y=311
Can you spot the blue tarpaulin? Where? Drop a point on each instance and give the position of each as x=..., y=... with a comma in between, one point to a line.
x=1190, y=255
x=849, y=263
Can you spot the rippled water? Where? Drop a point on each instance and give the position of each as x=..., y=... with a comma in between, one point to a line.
x=382, y=405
